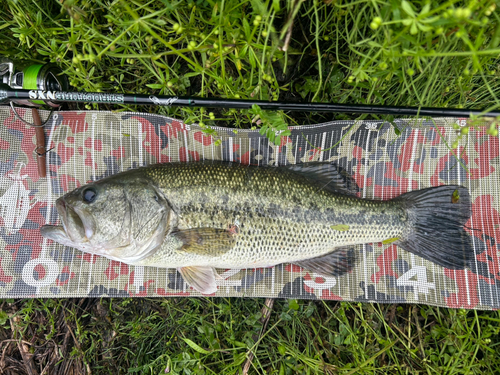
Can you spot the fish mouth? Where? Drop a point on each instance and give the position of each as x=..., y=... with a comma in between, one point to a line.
x=77, y=224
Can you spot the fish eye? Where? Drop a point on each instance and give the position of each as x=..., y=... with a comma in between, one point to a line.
x=89, y=195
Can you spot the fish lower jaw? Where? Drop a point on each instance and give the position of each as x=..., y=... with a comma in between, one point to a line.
x=248, y=265
x=128, y=256
x=118, y=257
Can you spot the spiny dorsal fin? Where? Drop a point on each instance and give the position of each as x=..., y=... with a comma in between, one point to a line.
x=329, y=176
x=200, y=278
x=339, y=262
x=206, y=241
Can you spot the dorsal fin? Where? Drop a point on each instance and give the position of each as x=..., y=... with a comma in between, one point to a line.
x=329, y=176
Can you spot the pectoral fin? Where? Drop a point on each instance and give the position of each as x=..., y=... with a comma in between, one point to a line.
x=200, y=278
x=336, y=263
x=206, y=241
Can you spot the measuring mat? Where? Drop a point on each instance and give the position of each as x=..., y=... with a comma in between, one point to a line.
x=386, y=160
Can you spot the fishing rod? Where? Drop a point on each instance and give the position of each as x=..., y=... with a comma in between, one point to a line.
x=8, y=95
x=46, y=84
x=56, y=97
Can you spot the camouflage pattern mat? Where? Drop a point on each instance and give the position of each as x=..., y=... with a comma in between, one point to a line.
x=90, y=145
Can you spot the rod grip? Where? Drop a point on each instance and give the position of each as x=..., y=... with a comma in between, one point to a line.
x=40, y=143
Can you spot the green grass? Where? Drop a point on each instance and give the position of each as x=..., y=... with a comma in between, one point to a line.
x=375, y=52
x=426, y=53
x=215, y=336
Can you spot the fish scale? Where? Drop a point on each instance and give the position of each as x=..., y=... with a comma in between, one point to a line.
x=279, y=214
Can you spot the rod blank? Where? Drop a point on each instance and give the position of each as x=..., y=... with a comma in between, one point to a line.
x=7, y=95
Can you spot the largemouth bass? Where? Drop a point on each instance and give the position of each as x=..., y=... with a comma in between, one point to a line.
x=200, y=216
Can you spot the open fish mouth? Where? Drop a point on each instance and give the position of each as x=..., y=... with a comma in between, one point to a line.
x=78, y=226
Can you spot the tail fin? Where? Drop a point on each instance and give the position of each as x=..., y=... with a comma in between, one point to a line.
x=436, y=218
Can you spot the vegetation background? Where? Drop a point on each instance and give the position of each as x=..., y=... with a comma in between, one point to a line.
x=418, y=53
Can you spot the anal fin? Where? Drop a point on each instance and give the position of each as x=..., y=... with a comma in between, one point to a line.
x=337, y=263
x=200, y=278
